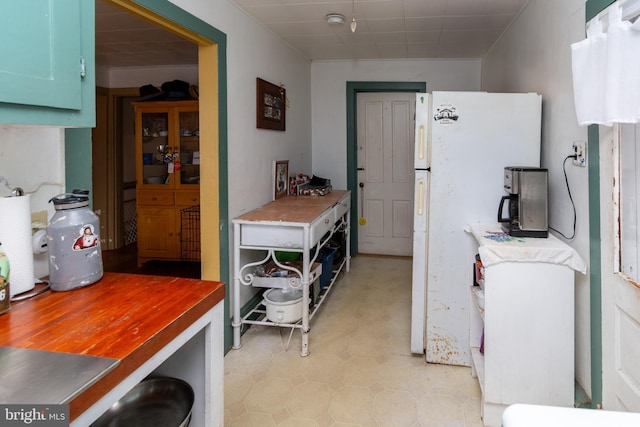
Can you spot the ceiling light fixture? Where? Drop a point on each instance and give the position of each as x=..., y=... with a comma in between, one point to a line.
x=354, y=24
x=335, y=18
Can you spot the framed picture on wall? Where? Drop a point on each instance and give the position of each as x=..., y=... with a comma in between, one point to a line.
x=280, y=178
x=270, y=103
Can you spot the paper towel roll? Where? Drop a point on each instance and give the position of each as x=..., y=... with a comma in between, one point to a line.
x=15, y=236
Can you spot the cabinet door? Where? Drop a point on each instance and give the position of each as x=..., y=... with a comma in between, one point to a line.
x=153, y=128
x=188, y=160
x=168, y=147
x=42, y=76
x=158, y=236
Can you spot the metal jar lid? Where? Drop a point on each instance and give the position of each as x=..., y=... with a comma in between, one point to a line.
x=75, y=199
x=283, y=297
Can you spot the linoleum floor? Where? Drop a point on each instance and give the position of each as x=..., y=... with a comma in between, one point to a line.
x=360, y=371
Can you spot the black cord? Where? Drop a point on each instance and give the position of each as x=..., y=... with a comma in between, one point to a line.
x=566, y=180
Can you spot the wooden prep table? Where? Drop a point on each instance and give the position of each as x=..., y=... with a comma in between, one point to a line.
x=293, y=224
x=149, y=324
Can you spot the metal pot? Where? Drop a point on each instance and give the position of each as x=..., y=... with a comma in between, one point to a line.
x=283, y=306
x=155, y=402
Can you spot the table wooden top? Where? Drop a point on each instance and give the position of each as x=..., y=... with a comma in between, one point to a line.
x=294, y=209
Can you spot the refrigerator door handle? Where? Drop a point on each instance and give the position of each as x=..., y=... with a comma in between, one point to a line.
x=420, y=197
x=421, y=143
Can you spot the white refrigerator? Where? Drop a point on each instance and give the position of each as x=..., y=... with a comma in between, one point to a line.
x=463, y=141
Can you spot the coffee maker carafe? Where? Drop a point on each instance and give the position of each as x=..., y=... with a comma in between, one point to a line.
x=526, y=189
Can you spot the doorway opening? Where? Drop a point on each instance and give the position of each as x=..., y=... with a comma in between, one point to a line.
x=212, y=87
x=353, y=88
x=385, y=147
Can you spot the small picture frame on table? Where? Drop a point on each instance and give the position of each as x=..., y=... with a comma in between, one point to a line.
x=280, y=179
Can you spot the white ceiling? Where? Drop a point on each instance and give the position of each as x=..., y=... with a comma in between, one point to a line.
x=124, y=40
x=386, y=29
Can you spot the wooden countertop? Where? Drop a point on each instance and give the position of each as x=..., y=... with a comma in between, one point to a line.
x=298, y=209
x=128, y=317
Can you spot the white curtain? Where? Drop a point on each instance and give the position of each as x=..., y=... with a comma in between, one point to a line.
x=606, y=70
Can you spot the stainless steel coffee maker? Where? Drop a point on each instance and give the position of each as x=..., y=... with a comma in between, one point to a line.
x=526, y=189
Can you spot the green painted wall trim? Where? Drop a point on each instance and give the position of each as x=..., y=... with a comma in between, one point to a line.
x=595, y=271
x=223, y=189
x=180, y=16
x=172, y=12
x=594, y=7
x=352, y=91
x=246, y=309
x=78, y=145
x=77, y=149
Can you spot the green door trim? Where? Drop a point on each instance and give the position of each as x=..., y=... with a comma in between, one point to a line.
x=352, y=92
x=595, y=272
x=186, y=20
x=173, y=13
x=78, y=148
x=592, y=8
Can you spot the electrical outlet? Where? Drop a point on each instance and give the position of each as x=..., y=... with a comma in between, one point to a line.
x=579, y=149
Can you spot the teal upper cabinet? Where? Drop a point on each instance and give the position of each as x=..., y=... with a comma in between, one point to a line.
x=47, y=63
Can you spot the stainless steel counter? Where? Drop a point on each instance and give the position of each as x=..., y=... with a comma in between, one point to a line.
x=47, y=377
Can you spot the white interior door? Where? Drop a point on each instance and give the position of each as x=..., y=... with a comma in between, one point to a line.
x=385, y=172
x=620, y=292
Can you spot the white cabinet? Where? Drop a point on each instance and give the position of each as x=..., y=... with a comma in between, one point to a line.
x=525, y=318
